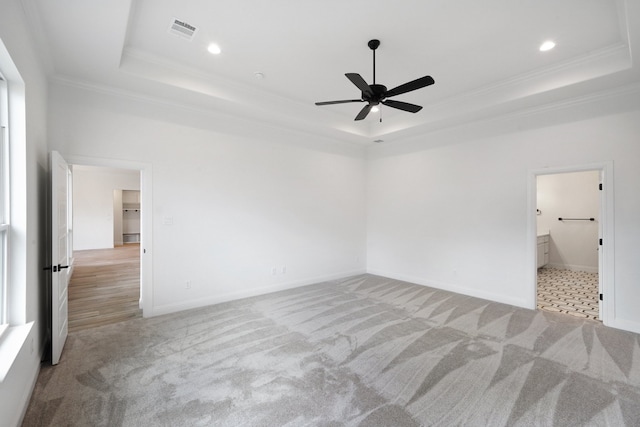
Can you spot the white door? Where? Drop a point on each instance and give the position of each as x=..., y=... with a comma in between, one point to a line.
x=60, y=256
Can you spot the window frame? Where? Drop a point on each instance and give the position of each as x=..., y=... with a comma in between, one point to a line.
x=5, y=201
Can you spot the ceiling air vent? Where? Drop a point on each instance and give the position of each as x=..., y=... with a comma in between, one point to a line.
x=182, y=29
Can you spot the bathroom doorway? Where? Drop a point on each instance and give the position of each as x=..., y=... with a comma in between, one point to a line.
x=572, y=220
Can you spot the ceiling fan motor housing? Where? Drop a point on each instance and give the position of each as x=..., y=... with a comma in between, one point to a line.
x=377, y=96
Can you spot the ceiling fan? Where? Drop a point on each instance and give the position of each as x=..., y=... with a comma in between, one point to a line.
x=375, y=94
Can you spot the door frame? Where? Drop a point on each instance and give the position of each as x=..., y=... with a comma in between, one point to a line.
x=606, y=231
x=146, y=220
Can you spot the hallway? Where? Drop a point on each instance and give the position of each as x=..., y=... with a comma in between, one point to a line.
x=104, y=287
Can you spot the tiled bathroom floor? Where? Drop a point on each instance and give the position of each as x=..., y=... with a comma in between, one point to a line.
x=570, y=292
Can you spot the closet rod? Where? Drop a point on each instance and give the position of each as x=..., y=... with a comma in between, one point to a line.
x=576, y=219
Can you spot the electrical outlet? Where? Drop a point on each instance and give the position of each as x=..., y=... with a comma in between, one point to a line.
x=274, y=271
x=187, y=284
x=284, y=269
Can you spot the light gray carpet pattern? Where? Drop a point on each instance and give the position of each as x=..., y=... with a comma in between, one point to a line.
x=363, y=351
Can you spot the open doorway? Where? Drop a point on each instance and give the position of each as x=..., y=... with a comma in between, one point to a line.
x=605, y=242
x=568, y=233
x=105, y=286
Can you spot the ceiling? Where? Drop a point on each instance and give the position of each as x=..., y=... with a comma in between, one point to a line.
x=483, y=56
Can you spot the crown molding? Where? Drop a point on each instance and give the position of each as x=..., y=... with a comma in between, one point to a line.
x=220, y=121
x=598, y=104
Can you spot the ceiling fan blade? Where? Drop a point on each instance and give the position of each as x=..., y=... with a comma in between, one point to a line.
x=339, y=102
x=412, y=85
x=404, y=106
x=357, y=80
x=363, y=113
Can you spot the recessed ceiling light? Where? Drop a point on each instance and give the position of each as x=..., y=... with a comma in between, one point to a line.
x=258, y=75
x=378, y=141
x=214, y=49
x=548, y=45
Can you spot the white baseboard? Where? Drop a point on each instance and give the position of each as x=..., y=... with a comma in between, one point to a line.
x=23, y=379
x=231, y=296
x=518, y=302
x=28, y=393
x=585, y=268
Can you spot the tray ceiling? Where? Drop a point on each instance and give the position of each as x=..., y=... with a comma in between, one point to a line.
x=483, y=56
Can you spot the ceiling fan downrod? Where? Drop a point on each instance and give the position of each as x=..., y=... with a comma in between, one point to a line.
x=373, y=45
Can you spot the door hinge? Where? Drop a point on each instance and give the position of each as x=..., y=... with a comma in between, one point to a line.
x=600, y=242
x=601, y=297
x=600, y=186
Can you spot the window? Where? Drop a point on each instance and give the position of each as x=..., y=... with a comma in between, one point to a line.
x=16, y=326
x=4, y=202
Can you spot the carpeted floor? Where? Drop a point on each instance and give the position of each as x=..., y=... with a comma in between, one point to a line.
x=570, y=292
x=363, y=351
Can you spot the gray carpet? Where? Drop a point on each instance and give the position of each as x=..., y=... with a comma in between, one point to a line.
x=363, y=351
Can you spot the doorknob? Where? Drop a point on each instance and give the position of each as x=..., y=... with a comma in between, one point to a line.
x=56, y=268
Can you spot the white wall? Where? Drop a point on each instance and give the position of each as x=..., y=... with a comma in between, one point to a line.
x=455, y=216
x=93, y=204
x=28, y=215
x=573, y=244
x=226, y=210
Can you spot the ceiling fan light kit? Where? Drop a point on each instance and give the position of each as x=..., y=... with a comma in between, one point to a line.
x=375, y=94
